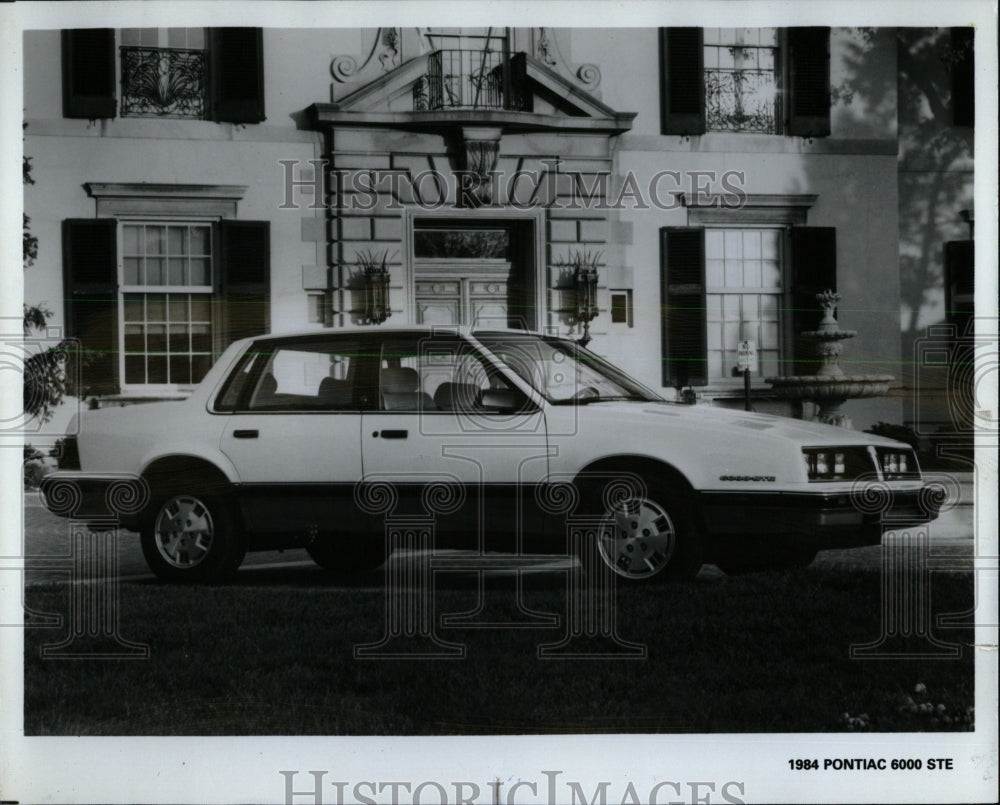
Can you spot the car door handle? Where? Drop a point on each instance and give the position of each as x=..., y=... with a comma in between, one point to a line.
x=245, y=434
x=392, y=434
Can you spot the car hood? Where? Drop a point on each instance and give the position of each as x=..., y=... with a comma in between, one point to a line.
x=723, y=421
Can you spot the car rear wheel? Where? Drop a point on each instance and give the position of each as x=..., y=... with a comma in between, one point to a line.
x=191, y=537
x=648, y=535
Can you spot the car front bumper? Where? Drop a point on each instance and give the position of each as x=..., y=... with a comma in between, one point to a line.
x=824, y=519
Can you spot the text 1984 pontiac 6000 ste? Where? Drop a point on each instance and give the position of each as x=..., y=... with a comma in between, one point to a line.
x=507, y=439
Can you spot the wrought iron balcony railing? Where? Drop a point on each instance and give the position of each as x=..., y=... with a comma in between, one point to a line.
x=471, y=79
x=164, y=82
x=741, y=100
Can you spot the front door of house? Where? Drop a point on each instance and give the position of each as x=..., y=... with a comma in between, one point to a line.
x=474, y=275
x=447, y=297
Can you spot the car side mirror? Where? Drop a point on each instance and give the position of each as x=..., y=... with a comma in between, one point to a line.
x=503, y=401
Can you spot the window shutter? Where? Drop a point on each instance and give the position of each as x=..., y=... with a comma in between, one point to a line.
x=237, y=75
x=682, y=299
x=90, y=283
x=809, y=82
x=814, y=270
x=88, y=63
x=963, y=84
x=245, y=278
x=682, y=81
x=960, y=275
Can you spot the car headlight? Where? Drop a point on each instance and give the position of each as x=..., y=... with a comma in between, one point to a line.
x=836, y=463
x=896, y=464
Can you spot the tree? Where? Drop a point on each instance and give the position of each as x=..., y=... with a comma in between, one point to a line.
x=45, y=376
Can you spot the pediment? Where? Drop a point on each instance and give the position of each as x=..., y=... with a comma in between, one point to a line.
x=536, y=97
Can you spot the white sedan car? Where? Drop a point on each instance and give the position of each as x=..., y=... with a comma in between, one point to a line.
x=494, y=440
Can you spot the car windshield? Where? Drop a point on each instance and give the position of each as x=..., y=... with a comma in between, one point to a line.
x=562, y=371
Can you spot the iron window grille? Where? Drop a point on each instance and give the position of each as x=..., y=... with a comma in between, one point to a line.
x=164, y=82
x=741, y=79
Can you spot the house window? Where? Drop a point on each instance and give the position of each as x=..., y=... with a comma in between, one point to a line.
x=741, y=79
x=747, y=80
x=164, y=72
x=722, y=283
x=207, y=73
x=166, y=303
x=743, y=297
x=153, y=302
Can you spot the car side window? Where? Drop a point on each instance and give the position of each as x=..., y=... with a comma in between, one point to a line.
x=435, y=374
x=236, y=383
x=308, y=376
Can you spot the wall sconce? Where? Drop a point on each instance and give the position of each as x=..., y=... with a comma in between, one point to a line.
x=585, y=286
x=376, y=279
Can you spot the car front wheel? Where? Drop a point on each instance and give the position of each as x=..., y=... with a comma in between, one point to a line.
x=648, y=535
x=191, y=537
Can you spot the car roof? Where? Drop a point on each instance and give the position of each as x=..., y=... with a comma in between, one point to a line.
x=386, y=329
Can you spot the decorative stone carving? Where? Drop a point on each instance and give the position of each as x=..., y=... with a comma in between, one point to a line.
x=385, y=55
x=481, y=151
x=545, y=48
x=389, y=57
x=343, y=68
x=589, y=75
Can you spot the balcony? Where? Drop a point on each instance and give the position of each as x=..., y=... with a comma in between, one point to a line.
x=472, y=79
x=164, y=82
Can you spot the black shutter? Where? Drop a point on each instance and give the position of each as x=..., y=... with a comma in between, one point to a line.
x=682, y=81
x=809, y=82
x=245, y=278
x=237, y=75
x=963, y=84
x=682, y=300
x=90, y=282
x=88, y=63
x=960, y=275
x=814, y=270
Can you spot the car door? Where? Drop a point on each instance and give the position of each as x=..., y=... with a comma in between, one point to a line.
x=456, y=439
x=294, y=432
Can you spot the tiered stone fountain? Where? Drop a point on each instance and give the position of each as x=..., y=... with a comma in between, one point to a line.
x=830, y=388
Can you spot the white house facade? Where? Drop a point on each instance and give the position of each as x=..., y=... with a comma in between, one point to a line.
x=665, y=193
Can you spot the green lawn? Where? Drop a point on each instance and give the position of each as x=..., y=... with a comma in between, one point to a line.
x=767, y=652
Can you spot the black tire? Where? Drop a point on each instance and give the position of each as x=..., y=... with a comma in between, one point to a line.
x=649, y=537
x=348, y=557
x=192, y=537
